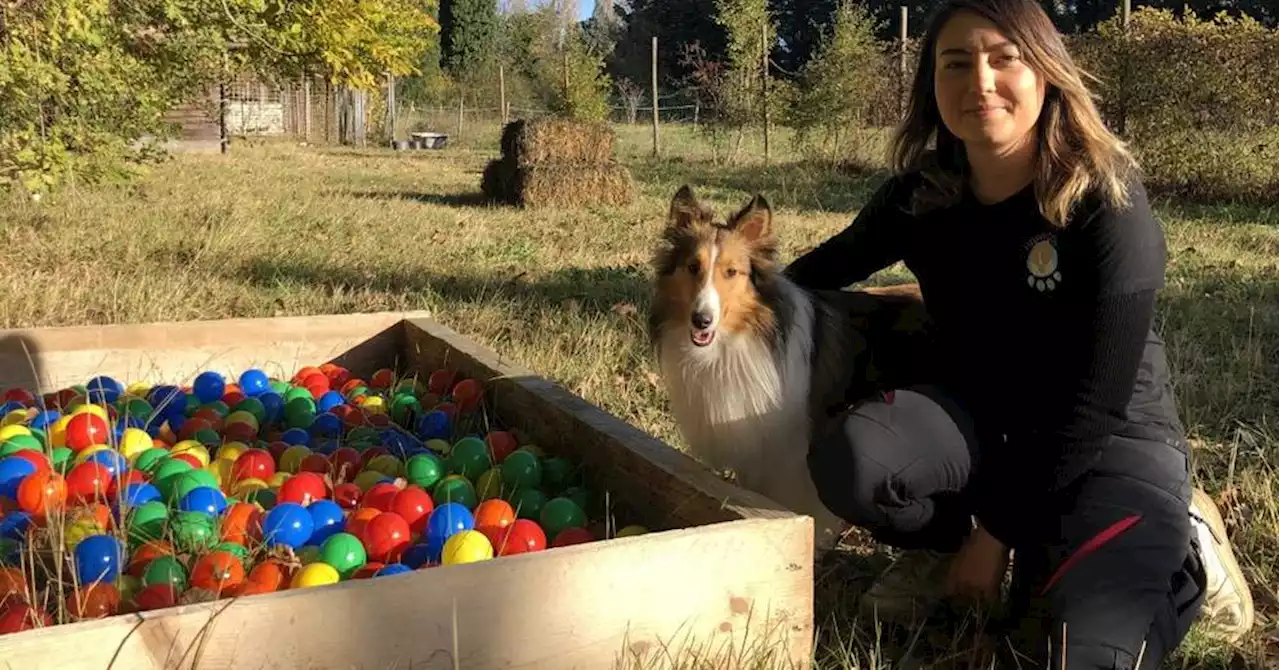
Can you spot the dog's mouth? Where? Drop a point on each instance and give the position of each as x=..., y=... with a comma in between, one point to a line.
x=702, y=338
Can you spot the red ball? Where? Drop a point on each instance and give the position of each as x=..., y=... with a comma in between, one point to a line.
x=347, y=495
x=366, y=571
x=385, y=537
x=196, y=424
x=239, y=431
x=351, y=384
x=20, y=395
x=190, y=460
x=414, y=506
x=570, y=536
x=467, y=394
x=302, y=488
x=304, y=373
x=277, y=448
x=379, y=496
x=370, y=454
x=440, y=381
x=253, y=464
x=36, y=458
x=317, y=384
x=522, y=537
x=449, y=409
x=379, y=420
x=317, y=463
x=85, y=430
x=156, y=596
x=233, y=398
x=501, y=444
x=88, y=482
x=382, y=379
x=21, y=616
x=338, y=376
x=126, y=478
x=344, y=464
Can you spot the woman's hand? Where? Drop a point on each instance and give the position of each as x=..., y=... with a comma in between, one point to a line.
x=978, y=568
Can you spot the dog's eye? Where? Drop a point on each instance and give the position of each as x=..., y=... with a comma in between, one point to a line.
x=693, y=268
x=730, y=273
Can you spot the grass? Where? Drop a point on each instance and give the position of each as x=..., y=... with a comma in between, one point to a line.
x=280, y=230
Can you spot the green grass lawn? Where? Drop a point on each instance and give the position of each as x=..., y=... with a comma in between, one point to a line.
x=281, y=230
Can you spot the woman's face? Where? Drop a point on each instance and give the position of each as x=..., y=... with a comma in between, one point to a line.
x=987, y=95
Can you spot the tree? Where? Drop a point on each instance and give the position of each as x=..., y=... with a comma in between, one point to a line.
x=468, y=32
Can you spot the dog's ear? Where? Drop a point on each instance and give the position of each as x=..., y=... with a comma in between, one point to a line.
x=685, y=209
x=755, y=221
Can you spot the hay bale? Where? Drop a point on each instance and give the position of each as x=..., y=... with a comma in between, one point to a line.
x=559, y=141
x=573, y=185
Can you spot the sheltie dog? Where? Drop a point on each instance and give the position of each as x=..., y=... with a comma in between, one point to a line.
x=756, y=366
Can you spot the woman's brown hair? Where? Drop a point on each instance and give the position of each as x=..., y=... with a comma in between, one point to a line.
x=1076, y=153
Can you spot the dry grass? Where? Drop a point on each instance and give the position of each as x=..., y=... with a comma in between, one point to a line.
x=279, y=230
x=558, y=141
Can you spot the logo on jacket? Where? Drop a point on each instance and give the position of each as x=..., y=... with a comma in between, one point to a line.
x=1042, y=265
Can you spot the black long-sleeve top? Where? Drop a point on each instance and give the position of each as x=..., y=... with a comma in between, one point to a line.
x=1046, y=332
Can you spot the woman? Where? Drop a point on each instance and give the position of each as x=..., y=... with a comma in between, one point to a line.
x=1053, y=431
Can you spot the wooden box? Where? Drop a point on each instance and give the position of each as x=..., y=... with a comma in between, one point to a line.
x=725, y=575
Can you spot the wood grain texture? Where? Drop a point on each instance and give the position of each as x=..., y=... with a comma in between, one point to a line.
x=54, y=358
x=666, y=487
x=742, y=588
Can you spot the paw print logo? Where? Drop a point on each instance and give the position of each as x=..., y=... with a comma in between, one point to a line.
x=1042, y=265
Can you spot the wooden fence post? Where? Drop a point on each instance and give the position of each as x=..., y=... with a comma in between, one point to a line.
x=654, y=80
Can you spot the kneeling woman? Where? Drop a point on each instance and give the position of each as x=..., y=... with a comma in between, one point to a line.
x=1053, y=431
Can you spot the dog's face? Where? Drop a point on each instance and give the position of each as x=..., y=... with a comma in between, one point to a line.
x=709, y=271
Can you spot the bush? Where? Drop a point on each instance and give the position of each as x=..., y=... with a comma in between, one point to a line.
x=1212, y=165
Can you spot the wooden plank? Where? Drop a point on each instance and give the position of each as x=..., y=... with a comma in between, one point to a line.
x=666, y=487
x=741, y=589
x=54, y=358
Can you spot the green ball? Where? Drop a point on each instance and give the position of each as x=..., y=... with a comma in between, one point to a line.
x=254, y=407
x=423, y=470
x=137, y=407
x=579, y=496
x=357, y=392
x=151, y=459
x=62, y=458
x=167, y=473
x=299, y=413
x=364, y=434
x=166, y=570
x=10, y=552
x=278, y=386
x=193, y=531
x=522, y=470
x=344, y=553
x=558, y=473
x=147, y=522
x=408, y=386
x=193, y=404
x=266, y=498
x=235, y=548
x=561, y=513
x=455, y=488
x=404, y=408
x=40, y=437
x=298, y=393
x=208, y=437
x=219, y=407
x=308, y=554
x=469, y=458
x=19, y=443
x=528, y=503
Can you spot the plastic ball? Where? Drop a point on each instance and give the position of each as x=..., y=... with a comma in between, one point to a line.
x=345, y=553
x=97, y=559
x=559, y=514
x=379, y=496
x=386, y=536
x=217, y=571
x=386, y=464
x=522, y=536
x=189, y=481
x=522, y=469
x=414, y=506
x=203, y=499
x=289, y=524
x=432, y=425
x=254, y=382
x=368, y=479
x=314, y=574
x=156, y=596
x=302, y=489
x=193, y=531
x=93, y=601
x=241, y=523
x=468, y=546
x=13, y=525
x=85, y=430
x=494, y=513
x=88, y=482
x=148, y=521
x=267, y=576
x=571, y=536
x=457, y=489
x=327, y=520
x=489, y=484
x=21, y=616
x=424, y=470
x=469, y=457
x=209, y=386
x=12, y=471
x=440, y=381
x=392, y=569
x=254, y=464
x=347, y=495
x=528, y=503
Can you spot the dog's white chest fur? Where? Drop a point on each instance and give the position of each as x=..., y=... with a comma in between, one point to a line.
x=743, y=406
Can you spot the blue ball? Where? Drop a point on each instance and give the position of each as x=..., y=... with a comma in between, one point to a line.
x=327, y=518
x=288, y=524
x=209, y=386
x=113, y=461
x=140, y=493
x=325, y=446
x=98, y=559
x=13, y=525
x=296, y=436
x=254, y=382
x=104, y=389
x=392, y=569
x=329, y=400
x=164, y=398
x=416, y=556
x=12, y=471
x=274, y=404
x=326, y=424
x=433, y=424
x=446, y=521
x=11, y=406
x=205, y=499
x=45, y=419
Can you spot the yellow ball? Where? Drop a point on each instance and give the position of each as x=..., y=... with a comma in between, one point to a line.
x=314, y=574
x=634, y=529
x=534, y=449
x=292, y=457
x=192, y=447
x=468, y=546
x=439, y=446
x=277, y=480
x=83, y=407
x=58, y=432
x=365, y=480
x=374, y=404
x=78, y=528
x=231, y=451
x=221, y=470
x=138, y=389
x=87, y=453
x=135, y=442
x=386, y=464
x=14, y=420
x=243, y=417
x=247, y=486
x=489, y=484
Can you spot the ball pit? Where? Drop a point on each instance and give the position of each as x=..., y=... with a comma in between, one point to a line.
x=123, y=497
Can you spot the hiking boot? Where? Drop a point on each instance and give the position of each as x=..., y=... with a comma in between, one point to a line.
x=909, y=589
x=1228, y=604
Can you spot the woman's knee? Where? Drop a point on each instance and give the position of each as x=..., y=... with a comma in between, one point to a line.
x=848, y=467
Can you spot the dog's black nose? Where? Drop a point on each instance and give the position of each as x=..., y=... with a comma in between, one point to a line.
x=701, y=320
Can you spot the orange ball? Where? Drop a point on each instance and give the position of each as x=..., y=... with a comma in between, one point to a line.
x=94, y=601
x=383, y=378
x=265, y=577
x=242, y=524
x=467, y=394
x=361, y=518
x=218, y=571
x=494, y=513
x=143, y=555
x=13, y=585
x=42, y=492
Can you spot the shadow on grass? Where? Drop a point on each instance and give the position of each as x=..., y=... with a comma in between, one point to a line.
x=468, y=199
x=592, y=291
